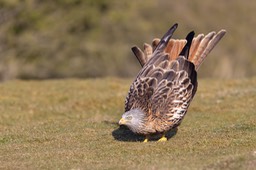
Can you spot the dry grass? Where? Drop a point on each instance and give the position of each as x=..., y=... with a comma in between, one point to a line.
x=71, y=124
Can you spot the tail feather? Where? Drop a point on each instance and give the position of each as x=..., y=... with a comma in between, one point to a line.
x=213, y=42
x=201, y=46
x=142, y=56
x=195, y=45
x=174, y=48
x=155, y=42
x=147, y=49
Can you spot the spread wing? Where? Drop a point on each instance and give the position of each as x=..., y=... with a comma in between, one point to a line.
x=200, y=48
x=164, y=88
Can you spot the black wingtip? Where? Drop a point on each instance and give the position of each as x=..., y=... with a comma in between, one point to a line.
x=169, y=33
x=185, y=50
x=139, y=55
x=165, y=39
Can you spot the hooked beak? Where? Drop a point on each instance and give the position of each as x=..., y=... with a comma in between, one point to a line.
x=122, y=121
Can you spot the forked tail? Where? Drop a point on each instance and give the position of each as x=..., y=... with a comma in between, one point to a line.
x=201, y=46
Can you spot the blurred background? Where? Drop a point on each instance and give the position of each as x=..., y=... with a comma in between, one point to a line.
x=43, y=39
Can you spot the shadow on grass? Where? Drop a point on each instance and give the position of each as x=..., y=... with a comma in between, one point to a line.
x=125, y=134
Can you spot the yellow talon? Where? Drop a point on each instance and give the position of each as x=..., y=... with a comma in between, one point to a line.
x=162, y=139
x=146, y=139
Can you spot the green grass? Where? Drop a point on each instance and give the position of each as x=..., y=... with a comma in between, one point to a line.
x=71, y=124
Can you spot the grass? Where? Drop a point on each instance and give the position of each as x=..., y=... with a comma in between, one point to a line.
x=71, y=124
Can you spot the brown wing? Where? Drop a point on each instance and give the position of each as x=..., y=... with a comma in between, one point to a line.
x=146, y=82
x=200, y=48
x=164, y=88
x=140, y=93
x=175, y=91
x=173, y=95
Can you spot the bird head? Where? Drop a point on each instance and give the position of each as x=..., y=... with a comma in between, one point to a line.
x=134, y=119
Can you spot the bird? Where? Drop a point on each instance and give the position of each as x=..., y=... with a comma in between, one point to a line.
x=159, y=97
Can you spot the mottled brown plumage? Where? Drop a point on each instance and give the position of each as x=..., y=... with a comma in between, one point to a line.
x=160, y=95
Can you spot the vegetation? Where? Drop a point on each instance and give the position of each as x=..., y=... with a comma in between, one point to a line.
x=75, y=38
x=72, y=124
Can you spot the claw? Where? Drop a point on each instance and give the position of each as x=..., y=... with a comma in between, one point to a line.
x=162, y=139
x=146, y=139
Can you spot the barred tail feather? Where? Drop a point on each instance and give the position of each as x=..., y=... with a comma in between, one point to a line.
x=195, y=45
x=202, y=46
x=208, y=48
x=174, y=48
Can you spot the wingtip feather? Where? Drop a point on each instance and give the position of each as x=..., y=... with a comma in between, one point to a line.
x=185, y=50
x=165, y=39
x=139, y=55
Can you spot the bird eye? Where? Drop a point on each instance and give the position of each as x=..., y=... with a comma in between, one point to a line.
x=129, y=118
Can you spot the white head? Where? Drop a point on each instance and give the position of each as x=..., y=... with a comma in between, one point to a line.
x=134, y=119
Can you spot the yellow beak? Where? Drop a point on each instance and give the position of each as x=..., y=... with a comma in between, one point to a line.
x=122, y=121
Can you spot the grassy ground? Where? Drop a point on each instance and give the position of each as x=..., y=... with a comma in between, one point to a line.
x=71, y=124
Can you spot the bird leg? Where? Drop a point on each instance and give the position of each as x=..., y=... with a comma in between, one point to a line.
x=163, y=138
x=146, y=139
